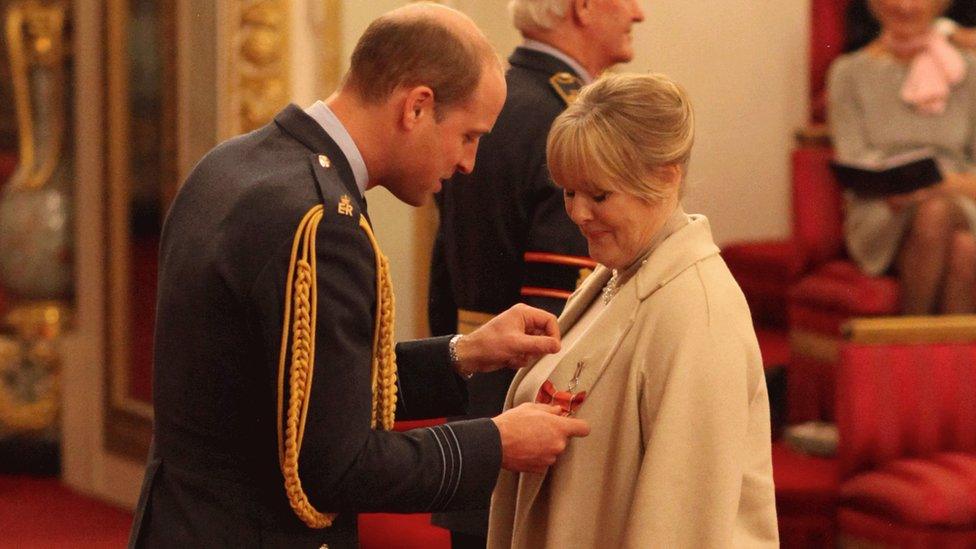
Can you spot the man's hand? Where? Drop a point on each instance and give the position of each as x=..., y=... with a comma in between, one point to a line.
x=515, y=338
x=533, y=435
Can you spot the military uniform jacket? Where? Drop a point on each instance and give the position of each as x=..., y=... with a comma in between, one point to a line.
x=504, y=235
x=213, y=478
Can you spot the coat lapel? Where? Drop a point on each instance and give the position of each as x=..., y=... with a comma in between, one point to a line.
x=595, y=349
x=682, y=250
x=575, y=307
x=582, y=297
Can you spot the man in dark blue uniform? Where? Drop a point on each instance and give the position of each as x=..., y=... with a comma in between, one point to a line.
x=276, y=378
x=504, y=236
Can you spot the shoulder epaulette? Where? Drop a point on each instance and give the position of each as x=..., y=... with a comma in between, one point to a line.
x=566, y=85
x=336, y=200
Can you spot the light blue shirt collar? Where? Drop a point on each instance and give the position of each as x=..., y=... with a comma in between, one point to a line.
x=584, y=74
x=333, y=126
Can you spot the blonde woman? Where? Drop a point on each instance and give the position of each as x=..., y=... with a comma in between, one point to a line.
x=658, y=351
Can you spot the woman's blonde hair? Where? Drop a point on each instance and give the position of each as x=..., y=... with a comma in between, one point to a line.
x=620, y=132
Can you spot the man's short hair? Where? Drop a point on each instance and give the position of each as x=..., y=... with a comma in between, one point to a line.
x=536, y=15
x=416, y=51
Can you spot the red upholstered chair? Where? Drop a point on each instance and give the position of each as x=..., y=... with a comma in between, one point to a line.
x=806, y=487
x=806, y=289
x=806, y=498
x=830, y=292
x=766, y=270
x=826, y=43
x=802, y=289
x=907, y=421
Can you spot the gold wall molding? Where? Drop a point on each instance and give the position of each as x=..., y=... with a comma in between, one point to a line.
x=812, y=345
x=908, y=330
x=328, y=40
x=886, y=330
x=256, y=82
x=128, y=422
x=128, y=413
x=35, y=36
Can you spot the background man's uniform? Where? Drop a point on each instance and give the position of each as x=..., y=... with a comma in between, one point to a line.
x=214, y=473
x=504, y=235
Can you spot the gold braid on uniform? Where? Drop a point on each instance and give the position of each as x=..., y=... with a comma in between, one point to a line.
x=298, y=334
x=384, y=374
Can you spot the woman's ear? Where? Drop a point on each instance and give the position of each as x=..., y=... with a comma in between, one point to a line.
x=671, y=175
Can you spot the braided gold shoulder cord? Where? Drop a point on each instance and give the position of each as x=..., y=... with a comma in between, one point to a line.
x=301, y=304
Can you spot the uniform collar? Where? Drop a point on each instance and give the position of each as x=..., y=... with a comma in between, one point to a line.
x=542, y=47
x=538, y=61
x=302, y=127
x=337, y=131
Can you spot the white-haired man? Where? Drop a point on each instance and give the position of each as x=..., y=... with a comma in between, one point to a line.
x=504, y=236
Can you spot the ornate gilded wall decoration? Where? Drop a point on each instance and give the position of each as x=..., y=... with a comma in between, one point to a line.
x=35, y=225
x=35, y=230
x=29, y=371
x=328, y=39
x=262, y=62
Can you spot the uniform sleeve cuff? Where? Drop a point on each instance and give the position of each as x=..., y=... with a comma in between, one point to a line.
x=471, y=454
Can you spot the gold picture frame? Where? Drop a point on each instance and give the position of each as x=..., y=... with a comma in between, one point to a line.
x=140, y=158
x=221, y=93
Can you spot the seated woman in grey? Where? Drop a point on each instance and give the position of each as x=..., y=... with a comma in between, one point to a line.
x=911, y=89
x=658, y=351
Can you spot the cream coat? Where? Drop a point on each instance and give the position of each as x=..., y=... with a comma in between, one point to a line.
x=679, y=449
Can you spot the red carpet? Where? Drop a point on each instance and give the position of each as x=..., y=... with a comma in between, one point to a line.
x=42, y=513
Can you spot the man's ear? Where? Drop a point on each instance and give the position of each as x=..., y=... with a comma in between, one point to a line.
x=418, y=102
x=582, y=12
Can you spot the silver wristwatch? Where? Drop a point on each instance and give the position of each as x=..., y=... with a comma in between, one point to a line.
x=455, y=360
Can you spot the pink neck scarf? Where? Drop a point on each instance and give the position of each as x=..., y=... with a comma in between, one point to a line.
x=935, y=68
